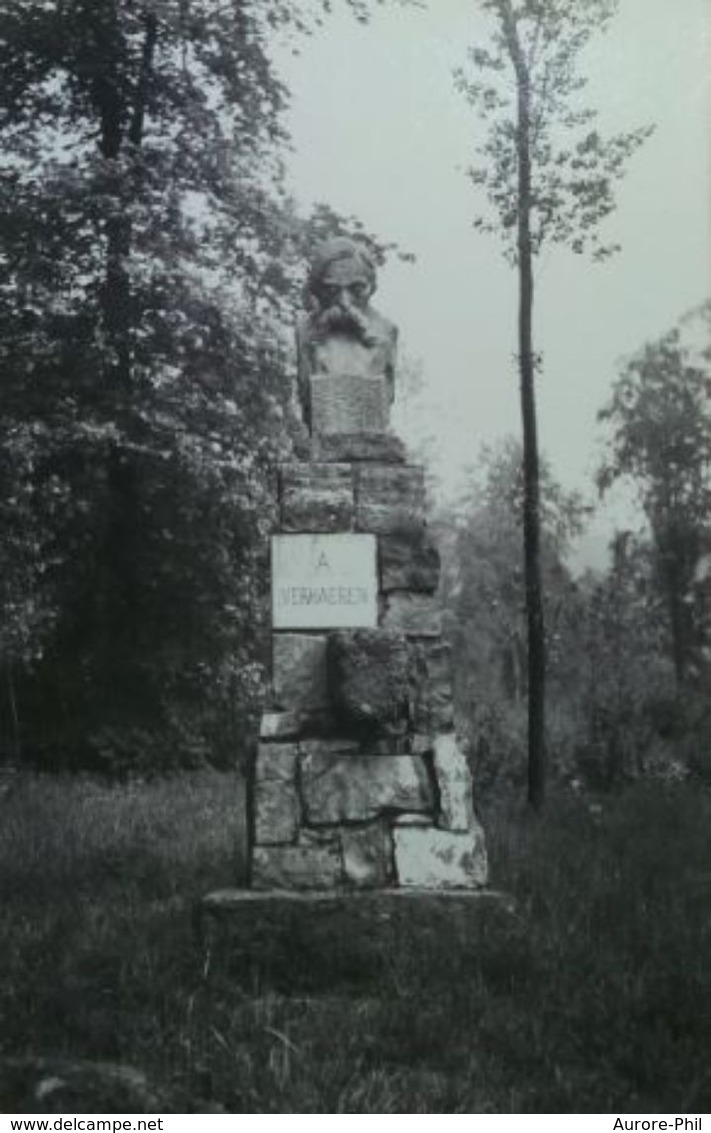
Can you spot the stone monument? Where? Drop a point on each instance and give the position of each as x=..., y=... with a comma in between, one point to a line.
x=359, y=781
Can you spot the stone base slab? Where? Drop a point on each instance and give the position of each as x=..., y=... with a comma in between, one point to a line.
x=253, y=919
x=222, y=902
x=254, y=911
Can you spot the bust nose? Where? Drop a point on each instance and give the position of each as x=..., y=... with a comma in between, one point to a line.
x=342, y=297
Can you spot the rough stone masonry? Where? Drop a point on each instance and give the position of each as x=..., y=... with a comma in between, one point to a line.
x=359, y=780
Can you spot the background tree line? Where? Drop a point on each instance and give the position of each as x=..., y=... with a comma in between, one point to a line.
x=628, y=648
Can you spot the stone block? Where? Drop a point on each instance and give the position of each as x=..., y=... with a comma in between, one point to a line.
x=319, y=722
x=440, y=859
x=456, y=809
x=276, y=762
x=299, y=671
x=381, y=448
x=438, y=659
x=442, y=714
x=329, y=746
x=276, y=812
x=367, y=855
x=316, y=497
x=391, y=744
x=420, y=743
x=279, y=726
x=296, y=867
x=409, y=560
x=415, y=615
x=389, y=497
x=320, y=836
x=369, y=676
x=440, y=694
x=434, y=711
x=423, y=820
x=358, y=788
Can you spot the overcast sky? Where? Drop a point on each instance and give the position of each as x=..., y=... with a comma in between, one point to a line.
x=379, y=131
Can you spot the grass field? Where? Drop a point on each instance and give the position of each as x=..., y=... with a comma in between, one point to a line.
x=593, y=994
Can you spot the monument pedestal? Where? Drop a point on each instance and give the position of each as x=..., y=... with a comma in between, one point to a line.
x=359, y=783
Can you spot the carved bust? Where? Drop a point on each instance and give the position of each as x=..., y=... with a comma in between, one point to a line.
x=346, y=350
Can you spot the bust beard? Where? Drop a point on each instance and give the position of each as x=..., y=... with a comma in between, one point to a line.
x=351, y=320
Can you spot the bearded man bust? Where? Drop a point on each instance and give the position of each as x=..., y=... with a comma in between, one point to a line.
x=346, y=350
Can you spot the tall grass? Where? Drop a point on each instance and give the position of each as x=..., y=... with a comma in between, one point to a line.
x=591, y=991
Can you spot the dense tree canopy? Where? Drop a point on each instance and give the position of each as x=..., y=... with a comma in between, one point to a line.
x=613, y=715
x=150, y=262
x=660, y=420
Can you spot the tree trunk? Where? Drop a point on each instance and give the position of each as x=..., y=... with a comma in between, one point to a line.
x=531, y=489
x=531, y=529
x=674, y=579
x=122, y=124
x=12, y=700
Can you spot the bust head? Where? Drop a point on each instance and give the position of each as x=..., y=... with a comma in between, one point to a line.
x=345, y=349
x=341, y=282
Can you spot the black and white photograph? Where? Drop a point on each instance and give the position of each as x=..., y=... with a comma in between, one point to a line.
x=355, y=561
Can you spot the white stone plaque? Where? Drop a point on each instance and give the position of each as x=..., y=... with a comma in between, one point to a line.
x=324, y=582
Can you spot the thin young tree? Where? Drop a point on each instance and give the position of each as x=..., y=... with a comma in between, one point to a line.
x=549, y=176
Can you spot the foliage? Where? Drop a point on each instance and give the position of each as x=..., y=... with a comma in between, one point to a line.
x=574, y=167
x=613, y=713
x=151, y=261
x=661, y=442
x=624, y=682
x=586, y=990
x=485, y=596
